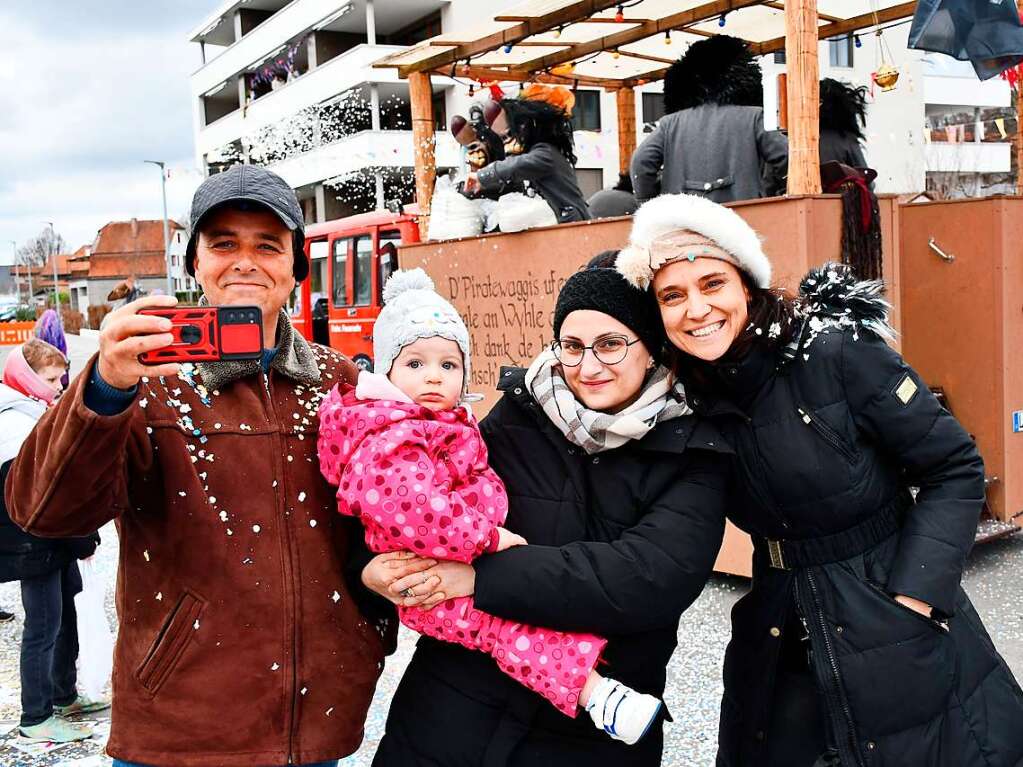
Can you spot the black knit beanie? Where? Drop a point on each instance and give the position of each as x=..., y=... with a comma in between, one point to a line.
x=605, y=290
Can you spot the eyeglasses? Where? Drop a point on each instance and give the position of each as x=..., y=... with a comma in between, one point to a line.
x=610, y=350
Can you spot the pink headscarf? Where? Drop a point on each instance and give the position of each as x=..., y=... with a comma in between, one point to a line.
x=19, y=375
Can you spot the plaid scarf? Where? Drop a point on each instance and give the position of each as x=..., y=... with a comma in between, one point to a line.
x=595, y=431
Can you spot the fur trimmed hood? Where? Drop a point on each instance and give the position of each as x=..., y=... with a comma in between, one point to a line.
x=832, y=296
x=719, y=70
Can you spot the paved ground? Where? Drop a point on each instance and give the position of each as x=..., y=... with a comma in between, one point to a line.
x=993, y=579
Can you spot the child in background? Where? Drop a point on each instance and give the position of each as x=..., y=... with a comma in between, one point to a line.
x=409, y=461
x=46, y=567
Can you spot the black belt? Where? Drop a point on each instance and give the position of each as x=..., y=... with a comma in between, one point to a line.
x=789, y=555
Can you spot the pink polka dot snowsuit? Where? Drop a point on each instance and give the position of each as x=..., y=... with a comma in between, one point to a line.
x=420, y=481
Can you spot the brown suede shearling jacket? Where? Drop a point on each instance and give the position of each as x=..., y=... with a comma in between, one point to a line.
x=239, y=643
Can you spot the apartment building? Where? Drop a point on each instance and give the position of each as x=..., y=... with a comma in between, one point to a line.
x=291, y=85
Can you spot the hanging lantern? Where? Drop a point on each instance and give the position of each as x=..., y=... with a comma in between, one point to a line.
x=886, y=76
x=472, y=90
x=667, y=37
x=508, y=48
x=722, y=21
x=615, y=54
x=563, y=70
x=556, y=33
x=857, y=42
x=620, y=15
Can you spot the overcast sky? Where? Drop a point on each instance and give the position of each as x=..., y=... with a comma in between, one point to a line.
x=88, y=90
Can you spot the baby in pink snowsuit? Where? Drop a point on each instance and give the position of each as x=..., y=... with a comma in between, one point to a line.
x=409, y=461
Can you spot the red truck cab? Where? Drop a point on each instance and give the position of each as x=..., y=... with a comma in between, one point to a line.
x=349, y=261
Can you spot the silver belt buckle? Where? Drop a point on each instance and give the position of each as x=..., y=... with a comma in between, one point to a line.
x=774, y=552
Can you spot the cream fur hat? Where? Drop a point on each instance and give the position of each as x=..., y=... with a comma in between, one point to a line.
x=672, y=217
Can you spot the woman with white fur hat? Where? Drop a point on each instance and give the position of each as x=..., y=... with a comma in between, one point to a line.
x=856, y=601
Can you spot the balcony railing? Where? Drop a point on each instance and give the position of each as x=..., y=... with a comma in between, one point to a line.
x=326, y=81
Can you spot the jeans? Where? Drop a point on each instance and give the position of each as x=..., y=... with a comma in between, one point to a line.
x=332, y=763
x=49, y=643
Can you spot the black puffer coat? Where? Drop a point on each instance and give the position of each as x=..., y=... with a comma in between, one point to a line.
x=825, y=442
x=25, y=556
x=620, y=544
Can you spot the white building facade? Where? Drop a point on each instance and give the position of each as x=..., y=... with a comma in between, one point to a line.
x=291, y=85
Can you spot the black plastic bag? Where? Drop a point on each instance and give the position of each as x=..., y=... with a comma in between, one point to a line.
x=987, y=33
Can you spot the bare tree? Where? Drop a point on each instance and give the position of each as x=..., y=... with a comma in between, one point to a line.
x=41, y=247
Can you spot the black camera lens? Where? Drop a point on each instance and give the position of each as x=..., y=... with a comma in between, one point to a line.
x=190, y=334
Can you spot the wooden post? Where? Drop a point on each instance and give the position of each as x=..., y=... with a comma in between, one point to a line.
x=626, y=98
x=783, y=101
x=424, y=141
x=803, y=97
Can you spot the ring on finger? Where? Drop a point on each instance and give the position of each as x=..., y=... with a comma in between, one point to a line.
x=409, y=592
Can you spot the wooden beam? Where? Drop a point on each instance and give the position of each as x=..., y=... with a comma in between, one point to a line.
x=641, y=32
x=852, y=24
x=645, y=57
x=503, y=75
x=803, y=97
x=592, y=20
x=826, y=17
x=423, y=141
x=626, y=99
x=534, y=26
x=783, y=101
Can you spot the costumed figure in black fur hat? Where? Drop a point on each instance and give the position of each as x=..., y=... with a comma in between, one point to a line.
x=536, y=131
x=843, y=115
x=843, y=118
x=711, y=141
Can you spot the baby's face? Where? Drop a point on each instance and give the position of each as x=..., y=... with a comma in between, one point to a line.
x=430, y=372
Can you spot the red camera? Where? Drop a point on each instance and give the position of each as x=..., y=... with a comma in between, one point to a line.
x=209, y=333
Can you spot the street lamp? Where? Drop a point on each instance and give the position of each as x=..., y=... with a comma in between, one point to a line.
x=56, y=290
x=166, y=231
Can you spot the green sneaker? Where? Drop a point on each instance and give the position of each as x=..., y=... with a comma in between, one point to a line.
x=81, y=705
x=55, y=730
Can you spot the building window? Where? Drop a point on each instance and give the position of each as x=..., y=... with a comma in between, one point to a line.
x=653, y=110
x=419, y=30
x=779, y=56
x=840, y=51
x=586, y=114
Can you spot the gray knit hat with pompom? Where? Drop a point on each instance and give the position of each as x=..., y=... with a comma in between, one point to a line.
x=412, y=310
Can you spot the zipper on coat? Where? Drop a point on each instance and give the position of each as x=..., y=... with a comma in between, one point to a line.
x=849, y=750
x=286, y=558
x=826, y=432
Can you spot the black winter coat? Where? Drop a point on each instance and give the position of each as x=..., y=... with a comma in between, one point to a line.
x=25, y=556
x=620, y=544
x=824, y=443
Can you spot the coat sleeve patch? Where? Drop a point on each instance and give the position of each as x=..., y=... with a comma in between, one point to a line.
x=906, y=390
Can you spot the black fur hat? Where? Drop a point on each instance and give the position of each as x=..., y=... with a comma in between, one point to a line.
x=532, y=121
x=719, y=70
x=843, y=107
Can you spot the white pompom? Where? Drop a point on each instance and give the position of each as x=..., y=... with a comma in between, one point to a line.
x=406, y=279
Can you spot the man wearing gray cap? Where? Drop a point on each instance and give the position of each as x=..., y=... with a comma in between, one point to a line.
x=241, y=643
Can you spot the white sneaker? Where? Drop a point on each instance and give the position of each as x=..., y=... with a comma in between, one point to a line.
x=621, y=712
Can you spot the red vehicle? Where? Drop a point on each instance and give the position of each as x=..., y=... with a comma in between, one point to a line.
x=349, y=261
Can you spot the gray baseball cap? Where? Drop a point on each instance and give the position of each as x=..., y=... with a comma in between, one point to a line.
x=249, y=184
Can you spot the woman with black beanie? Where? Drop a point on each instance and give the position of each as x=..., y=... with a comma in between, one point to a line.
x=619, y=491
